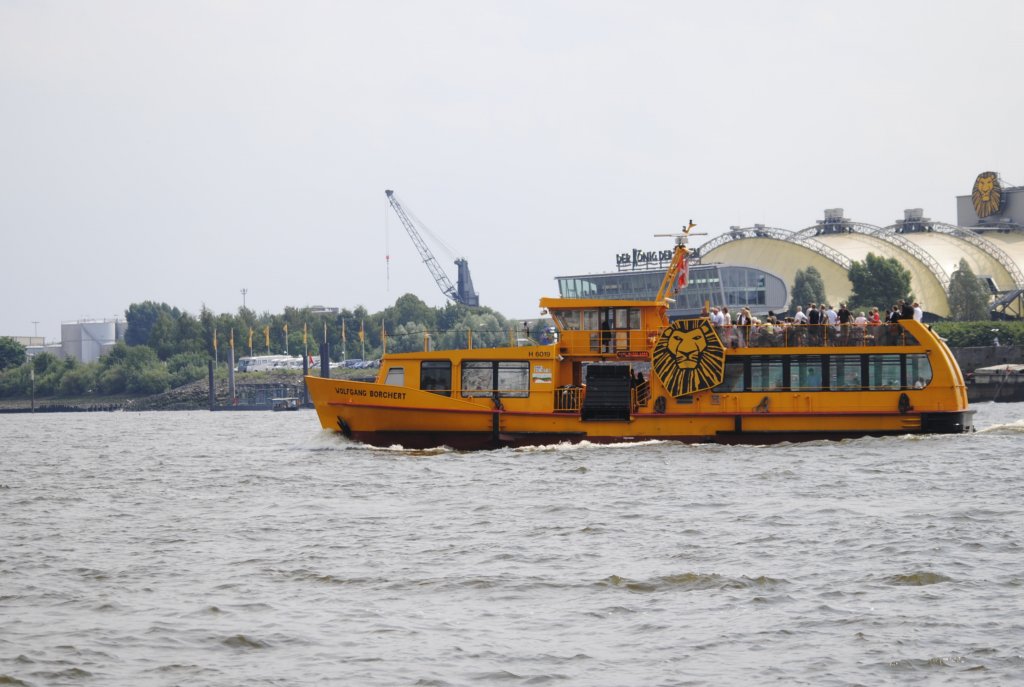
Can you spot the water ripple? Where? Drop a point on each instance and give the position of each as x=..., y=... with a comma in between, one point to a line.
x=230, y=548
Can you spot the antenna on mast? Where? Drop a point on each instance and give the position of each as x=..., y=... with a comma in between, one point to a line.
x=387, y=253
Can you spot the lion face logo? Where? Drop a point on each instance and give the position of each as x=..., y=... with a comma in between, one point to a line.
x=987, y=194
x=689, y=357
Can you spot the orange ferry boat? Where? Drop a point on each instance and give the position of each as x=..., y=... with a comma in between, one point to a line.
x=619, y=371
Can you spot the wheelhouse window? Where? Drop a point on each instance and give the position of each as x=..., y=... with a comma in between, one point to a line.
x=436, y=376
x=395, y=376
x=567, y=319
x=507, y=378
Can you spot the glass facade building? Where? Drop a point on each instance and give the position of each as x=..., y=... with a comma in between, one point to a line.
x=717, y=284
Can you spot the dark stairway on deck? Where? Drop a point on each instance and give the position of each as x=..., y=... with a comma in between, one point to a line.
x=608, y=394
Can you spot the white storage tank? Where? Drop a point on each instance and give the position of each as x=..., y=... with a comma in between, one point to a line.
x=87, y=340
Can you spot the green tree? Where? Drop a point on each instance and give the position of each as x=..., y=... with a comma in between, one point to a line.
x=878, y=281
x=12, y=353
x=43, y=362
x=189, y=334
x=141, y=318
x=968, y=299
x=14, y=381
x=111, y=380
x=808, y=287
x=79, y=380
x=153, y=379
x=163, y=337
x=186, y=367
x=409, y=308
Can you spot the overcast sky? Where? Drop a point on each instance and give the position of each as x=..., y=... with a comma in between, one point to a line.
x=181, y=151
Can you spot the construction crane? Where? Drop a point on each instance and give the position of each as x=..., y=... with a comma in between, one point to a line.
x=464, y=293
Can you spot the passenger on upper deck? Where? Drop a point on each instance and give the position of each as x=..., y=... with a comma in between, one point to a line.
x=814, y=319
x=743, y=323
x=906, y=311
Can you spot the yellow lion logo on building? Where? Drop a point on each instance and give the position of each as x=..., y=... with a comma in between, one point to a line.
x=987, y=194
x=689, y=357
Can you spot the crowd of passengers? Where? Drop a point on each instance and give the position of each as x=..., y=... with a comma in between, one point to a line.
x=818, y=325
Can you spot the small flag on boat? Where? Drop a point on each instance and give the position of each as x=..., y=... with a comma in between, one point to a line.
x=214, y=339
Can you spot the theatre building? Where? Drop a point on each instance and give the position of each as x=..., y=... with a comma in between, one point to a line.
x=639, y=274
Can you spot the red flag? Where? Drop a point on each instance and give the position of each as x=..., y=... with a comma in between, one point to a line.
x=684, y=272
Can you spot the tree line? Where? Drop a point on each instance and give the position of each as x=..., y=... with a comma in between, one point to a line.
x=882, y=282
x=165, y=347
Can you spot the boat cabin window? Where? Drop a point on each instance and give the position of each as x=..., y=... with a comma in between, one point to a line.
x=845, y=373
x=919, y=370
x=567, y=319
x=805, y=373
x=768, y=373
x=509, y=378
x=436, y=376
x=884, y=371
x=732, y=380
x=826, y=372
x=395, y=377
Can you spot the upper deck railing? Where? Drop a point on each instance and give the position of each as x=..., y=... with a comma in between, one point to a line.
x=631, y=343
x=637, y=343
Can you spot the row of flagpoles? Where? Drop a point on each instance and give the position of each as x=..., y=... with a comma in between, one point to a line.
x=266, y=338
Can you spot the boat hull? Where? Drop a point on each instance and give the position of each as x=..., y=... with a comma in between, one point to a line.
x=379, y=415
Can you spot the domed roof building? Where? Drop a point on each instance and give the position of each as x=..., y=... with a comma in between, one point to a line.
x=989, y=236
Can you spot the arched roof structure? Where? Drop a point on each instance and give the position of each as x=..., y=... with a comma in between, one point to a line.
x=930, y=251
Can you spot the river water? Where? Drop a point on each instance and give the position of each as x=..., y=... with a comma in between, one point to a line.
x=198, y=548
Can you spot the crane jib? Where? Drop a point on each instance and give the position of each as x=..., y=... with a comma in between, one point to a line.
x=464, y=294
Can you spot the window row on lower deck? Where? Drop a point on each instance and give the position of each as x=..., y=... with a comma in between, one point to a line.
x=869, y=372
x=479, y=378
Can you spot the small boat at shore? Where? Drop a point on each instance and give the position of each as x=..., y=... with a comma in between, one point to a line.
x=287, y=403
x=619, y=371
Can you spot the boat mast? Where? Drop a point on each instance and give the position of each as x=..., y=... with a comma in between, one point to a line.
x=678, y=263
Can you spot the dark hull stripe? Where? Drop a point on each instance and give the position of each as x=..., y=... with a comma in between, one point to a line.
x=934, y=423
